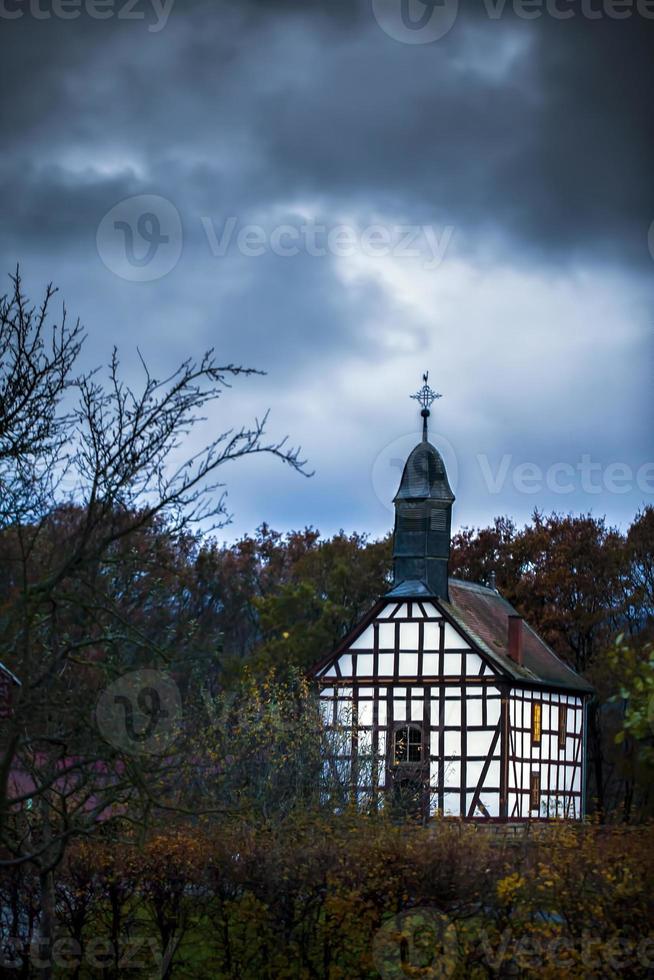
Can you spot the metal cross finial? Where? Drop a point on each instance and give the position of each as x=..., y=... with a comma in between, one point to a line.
x=425, y=396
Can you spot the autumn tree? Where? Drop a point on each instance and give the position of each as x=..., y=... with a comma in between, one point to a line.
x=570, y=576
x=640, y=556
x=486, y=554
x=285, y=599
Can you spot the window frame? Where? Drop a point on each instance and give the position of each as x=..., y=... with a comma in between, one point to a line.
x=406, y=729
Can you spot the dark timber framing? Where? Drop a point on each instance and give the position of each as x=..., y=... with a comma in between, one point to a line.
x=479, y=758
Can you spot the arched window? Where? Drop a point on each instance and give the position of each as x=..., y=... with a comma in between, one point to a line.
x=408, y=744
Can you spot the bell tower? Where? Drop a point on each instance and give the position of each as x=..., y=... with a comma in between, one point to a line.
x=423, y=512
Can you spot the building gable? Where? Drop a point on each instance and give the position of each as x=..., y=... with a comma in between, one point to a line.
x=406, y=640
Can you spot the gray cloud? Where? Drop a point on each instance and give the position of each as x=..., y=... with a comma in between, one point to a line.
x=531, y=139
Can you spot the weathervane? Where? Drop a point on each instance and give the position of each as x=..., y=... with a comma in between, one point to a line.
x=425, y=396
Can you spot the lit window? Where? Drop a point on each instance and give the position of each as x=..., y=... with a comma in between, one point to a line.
x=534, y=791
x=408, y=744
x=563, y=711
x=536, y=722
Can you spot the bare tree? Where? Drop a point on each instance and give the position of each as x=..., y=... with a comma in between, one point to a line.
x=36, y=372
x=90, y=469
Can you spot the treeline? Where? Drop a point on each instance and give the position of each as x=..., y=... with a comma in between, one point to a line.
x=279, y=602
x=350, y=899
x=285, y=599
x=576, y=580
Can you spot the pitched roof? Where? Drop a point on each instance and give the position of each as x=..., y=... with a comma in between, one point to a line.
x=484, y=615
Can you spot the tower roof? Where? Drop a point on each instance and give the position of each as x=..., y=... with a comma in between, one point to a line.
x=423, y=511
x=424, y=476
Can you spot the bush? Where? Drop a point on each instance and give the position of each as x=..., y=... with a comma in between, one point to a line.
x=356, y=897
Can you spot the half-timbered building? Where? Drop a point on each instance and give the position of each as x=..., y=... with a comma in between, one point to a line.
x=443, y=698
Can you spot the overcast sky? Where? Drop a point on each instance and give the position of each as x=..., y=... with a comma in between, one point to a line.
x=473, y=196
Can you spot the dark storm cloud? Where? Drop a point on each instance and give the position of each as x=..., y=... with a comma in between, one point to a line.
x=530, y=138
x=553, y=149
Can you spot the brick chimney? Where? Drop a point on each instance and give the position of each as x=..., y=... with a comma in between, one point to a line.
x=515, y=639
